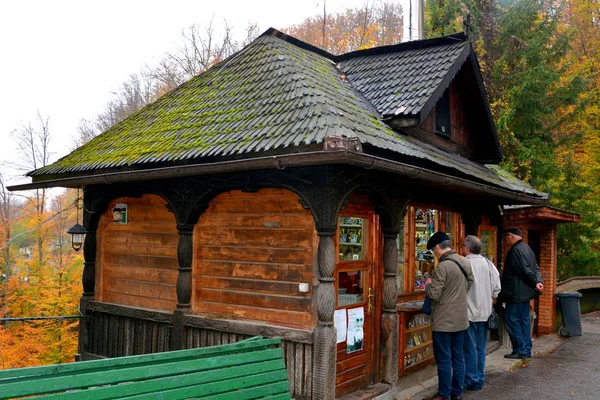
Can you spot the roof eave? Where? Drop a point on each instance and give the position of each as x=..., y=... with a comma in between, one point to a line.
x=327, y=157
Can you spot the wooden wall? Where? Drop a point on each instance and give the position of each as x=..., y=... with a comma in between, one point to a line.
x=137, y=263
x=251, y=252
x=460, y=132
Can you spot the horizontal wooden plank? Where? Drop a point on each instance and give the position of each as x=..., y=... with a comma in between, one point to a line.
x=259, y=300
x=130, y=312
x=264, y=237
x=142, y=226
x=195, y=323
x=251, y=285
x=276, y=272
x=136, y=288
x=142, y=302
x=254, y=254
x=140, y=273
x=158, y=262
x=263, y=220
x=257, y=206
x=151, y=238
x=351, y=362
x=349, y=374
x=271, y=315
x=140, y=249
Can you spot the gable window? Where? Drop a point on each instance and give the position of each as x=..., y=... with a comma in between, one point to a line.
x=442, y=115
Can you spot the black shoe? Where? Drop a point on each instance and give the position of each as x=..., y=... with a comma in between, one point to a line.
x=524, y=356
x=514, y=356
x=473, y=388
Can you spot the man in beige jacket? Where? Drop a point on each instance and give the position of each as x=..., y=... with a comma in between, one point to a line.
x=450, y=282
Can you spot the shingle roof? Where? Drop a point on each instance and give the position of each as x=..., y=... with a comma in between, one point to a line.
x=401, y=83
x=275, y=95
x=272, y=95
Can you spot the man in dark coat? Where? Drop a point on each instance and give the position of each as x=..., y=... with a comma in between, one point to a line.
x=450, y=282
x=521, y=282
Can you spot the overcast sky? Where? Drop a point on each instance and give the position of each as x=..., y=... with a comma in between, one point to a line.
x=64, y=57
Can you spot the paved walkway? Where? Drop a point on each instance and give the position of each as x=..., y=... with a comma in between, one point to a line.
x=561, y=369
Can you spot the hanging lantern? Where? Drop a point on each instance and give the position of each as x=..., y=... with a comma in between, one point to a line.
x=77, y=233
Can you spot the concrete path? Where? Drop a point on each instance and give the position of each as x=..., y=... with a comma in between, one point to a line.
x=561, y=369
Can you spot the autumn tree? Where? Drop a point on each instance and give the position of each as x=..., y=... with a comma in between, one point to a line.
x=378, y=23
x=6, y=215
x=200, y=48
x=33, y=142
x=52, y=291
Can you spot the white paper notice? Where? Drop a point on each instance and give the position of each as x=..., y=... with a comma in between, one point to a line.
x=356, y=320
x=340, y=325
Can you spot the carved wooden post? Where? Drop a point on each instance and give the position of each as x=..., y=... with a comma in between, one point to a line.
x=185, y=252
x=389, y=316
x=392, y=222
x=325, y=334
x=89, y=282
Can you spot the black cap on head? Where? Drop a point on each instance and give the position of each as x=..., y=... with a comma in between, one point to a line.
x=436, y=239
x=514, y=230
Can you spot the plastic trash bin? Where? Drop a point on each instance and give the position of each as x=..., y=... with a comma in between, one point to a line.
x=571, y=313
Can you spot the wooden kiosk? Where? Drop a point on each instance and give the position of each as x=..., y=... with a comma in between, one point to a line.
x=270, y=196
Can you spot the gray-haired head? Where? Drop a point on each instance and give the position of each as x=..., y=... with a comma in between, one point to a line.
x=473, y=243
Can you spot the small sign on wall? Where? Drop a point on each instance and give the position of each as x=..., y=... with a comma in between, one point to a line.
x=119, y=212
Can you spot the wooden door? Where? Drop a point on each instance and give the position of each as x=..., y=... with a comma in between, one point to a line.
x=357, y=304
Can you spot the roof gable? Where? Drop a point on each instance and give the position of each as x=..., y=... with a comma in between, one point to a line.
x=406, y=82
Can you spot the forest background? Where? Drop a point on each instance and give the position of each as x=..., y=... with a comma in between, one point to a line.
x=541, y=66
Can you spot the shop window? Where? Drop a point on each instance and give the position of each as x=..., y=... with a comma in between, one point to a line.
x=351, y=240
x=420, y=224
x=488, y=237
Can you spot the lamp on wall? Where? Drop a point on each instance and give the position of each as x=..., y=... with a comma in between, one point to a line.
x=77, y=231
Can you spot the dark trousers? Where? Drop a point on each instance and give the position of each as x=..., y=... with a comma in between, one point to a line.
x=518, y=325
x=448, y=352
x=475, y=352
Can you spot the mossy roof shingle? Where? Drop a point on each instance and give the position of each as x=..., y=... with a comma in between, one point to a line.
x=275, y=95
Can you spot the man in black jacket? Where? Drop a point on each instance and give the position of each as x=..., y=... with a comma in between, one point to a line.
x=521, y=282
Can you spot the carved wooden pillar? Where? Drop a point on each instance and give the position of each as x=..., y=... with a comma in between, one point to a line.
x=392, y=222
x=185, y=252
x=325, y=334
x=389, y=316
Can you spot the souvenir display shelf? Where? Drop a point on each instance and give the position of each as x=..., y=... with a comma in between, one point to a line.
x=416, y=344
x=351, y=239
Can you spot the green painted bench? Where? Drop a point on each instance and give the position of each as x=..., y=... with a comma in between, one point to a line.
x=250, y=369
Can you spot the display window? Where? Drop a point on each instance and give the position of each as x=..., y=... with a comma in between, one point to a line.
x=352, y=260
x=351, y=246
x=488, y=236
x=421, y=222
